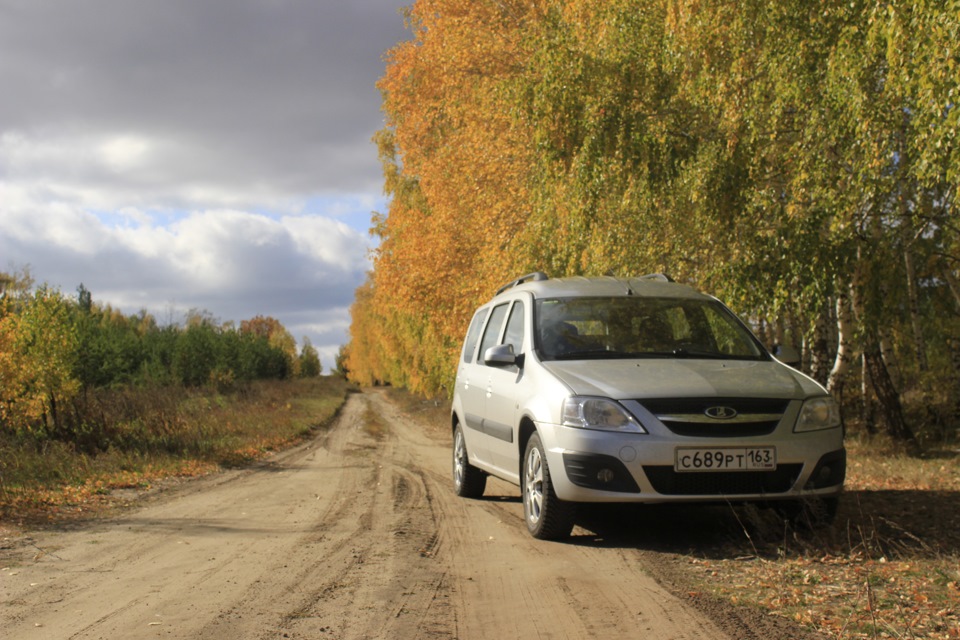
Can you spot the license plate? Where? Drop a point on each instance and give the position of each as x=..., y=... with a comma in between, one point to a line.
x=725, y=459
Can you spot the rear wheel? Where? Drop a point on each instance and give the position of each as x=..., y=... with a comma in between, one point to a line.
x=547, y=517
x=468, y=481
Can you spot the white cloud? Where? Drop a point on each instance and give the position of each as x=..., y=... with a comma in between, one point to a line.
x=125, y=152
x=301, y=269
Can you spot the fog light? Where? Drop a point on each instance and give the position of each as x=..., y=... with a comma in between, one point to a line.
x=824, y=476
x=605, y=475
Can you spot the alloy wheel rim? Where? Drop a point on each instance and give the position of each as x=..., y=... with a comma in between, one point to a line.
x=459, y=453
x=533, y=485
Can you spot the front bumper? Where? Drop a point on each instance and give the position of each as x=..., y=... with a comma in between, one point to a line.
x=601, y=466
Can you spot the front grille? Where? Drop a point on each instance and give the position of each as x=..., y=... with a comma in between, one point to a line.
x=720, y=430
x=722, y=483
x=688, y=416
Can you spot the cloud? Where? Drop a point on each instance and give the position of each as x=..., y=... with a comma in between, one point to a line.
x=272, y=87
x=175, y=154
x=301, y=269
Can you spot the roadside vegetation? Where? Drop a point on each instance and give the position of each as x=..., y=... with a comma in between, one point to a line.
x=92, y=401
x=159, y=435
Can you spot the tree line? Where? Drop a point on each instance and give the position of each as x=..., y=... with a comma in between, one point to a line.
x=799, y=160
x=56, y=352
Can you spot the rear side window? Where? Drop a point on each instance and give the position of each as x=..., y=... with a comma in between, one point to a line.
x=473, y=334
x=492, y=332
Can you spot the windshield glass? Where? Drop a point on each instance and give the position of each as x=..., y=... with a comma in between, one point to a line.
x=640, y=327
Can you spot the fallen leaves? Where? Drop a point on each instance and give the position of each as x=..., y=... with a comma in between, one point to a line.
x=846, y=597
x=889, y=568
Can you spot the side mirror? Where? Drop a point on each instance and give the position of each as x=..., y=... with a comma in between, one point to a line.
x=501, y=355
x=787, y=355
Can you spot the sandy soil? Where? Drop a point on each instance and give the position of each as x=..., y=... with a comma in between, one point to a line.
x=355, y=534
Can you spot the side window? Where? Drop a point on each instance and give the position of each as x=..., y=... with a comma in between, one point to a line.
x=514, y=333
x=473, y=334
x=492, y=331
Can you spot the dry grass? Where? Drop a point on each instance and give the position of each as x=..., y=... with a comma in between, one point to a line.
x=190, y=435
x=888, y=568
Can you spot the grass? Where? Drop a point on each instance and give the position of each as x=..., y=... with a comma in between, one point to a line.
x=159, y=435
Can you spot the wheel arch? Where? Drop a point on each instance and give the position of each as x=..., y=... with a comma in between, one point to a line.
x=527, y=429
x=455, y=420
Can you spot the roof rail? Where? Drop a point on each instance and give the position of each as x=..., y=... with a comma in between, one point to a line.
x=659, y=277
x=536, y=276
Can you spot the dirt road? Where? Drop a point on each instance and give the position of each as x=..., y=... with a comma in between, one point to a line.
x=356, y=534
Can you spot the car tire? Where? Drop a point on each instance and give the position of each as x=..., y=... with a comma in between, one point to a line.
x=547, y=517
x=468, y=481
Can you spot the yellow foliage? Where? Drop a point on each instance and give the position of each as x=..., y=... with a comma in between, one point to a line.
x=37, y=347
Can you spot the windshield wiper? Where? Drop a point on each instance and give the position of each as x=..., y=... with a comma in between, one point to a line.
x=710, y=354
x=697, y=352
x=592, y=354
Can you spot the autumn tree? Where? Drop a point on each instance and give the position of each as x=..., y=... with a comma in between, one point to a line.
x=277, y=337
x=455, y=156
x=37, y=351
x=799, y=160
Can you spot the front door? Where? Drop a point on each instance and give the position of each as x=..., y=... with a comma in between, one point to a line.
x=505, y=385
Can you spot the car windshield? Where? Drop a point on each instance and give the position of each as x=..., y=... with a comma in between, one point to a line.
x=640, y=327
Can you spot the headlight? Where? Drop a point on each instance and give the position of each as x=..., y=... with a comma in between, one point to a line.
x=599, y=413
x=817, y=414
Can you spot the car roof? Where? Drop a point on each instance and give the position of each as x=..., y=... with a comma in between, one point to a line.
x=654, y=285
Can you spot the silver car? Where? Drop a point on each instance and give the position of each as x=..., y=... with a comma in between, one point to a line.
x=634, y=390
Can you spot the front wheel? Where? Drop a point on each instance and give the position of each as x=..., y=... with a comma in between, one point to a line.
x=468, y=481
x=547, y=516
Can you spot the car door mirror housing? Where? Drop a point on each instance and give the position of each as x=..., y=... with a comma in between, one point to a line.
x=501, y=355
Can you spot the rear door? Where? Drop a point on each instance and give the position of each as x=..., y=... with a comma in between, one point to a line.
x=474, y=380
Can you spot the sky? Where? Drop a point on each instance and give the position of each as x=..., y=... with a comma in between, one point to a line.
x=208, y=155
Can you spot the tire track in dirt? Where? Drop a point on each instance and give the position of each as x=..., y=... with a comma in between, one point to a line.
x=347, y=567
x=368, y=573
x=506, y=584
x=323, y=560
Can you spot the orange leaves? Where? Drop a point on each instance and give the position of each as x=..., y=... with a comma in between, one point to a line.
x=455, y=159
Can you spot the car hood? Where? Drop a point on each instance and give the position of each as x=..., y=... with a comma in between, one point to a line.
x=675, y=378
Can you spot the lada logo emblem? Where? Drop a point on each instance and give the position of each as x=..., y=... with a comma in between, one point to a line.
x=721, y=413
